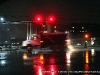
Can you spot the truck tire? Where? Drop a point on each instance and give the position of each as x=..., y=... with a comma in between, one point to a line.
x=29, y=48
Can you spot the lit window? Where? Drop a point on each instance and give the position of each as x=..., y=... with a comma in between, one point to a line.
x=82, y=31
x=55, y=27
x=17, y=43
x=82, y=27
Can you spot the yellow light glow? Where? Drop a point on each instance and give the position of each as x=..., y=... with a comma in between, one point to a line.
x=25, y=56
x=87, y=57
x=41, y=57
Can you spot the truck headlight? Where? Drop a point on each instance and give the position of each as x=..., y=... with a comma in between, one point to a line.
x=24, y=44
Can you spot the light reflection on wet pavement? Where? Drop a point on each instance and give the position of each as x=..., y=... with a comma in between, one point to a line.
x=69, y=62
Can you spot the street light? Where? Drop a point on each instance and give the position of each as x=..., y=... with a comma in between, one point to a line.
x=2, y=19
x=86, y=36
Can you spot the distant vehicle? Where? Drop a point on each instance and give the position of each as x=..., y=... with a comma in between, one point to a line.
x=43, y=40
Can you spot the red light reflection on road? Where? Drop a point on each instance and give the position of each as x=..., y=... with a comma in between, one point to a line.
x=52, y=60
x=53, y=70
x=87, y=68
x=39, y=59
x=45, y=69
x=39, y=69
x=86, y=74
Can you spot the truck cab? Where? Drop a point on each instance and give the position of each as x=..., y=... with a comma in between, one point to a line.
x=34, y=42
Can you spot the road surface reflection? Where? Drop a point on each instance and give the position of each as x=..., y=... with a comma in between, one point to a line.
x=62, y=63
x=68, y=62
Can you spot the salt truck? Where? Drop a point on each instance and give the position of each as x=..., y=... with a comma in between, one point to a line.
x=43, y=40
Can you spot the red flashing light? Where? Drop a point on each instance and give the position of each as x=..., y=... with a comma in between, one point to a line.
x=38, y=18
x=51, y=19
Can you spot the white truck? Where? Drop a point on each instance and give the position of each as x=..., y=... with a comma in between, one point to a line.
x=32, y=43
x=44, y=40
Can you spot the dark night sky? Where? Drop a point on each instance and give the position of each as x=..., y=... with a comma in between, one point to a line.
x=66, y=11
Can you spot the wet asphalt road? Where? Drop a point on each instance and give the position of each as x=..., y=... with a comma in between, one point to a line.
x=50, y=62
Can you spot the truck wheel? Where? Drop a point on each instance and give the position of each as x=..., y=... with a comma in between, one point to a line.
x=29, y=49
